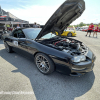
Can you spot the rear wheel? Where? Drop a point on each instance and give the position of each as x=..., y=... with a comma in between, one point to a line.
x=7, y=47
x=69, y=34
x=44, y=63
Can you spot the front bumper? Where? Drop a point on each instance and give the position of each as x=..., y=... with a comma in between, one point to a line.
x=81, y=71
x=66, y=66
x=75, y=69
x=74, y=34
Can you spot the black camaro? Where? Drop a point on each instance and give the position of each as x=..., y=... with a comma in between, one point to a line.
x=65, y=55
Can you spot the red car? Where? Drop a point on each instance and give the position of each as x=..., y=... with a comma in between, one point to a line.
x=86, y=30
x=83, y=29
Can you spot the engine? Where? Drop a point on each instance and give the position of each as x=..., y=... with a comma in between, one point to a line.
x=71, y=46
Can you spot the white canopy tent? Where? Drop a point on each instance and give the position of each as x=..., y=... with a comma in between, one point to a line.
x=8, y=18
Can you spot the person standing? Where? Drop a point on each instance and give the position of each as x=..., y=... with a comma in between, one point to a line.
x=90, y=29
x=18, y=26
x=96, y=30
x=35, y=25
x=99, y=28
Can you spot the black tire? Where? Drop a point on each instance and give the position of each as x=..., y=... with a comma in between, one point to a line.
x=7, y=47
x=44, y=63
x=69, y=34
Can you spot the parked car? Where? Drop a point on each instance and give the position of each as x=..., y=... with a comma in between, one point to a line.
x=68, y=33
x=78, y=28
x=62, y=54
x=85, y=29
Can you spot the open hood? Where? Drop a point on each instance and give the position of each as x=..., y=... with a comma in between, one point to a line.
x=68, y=12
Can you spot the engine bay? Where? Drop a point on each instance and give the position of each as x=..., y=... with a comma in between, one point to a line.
x=68, y=45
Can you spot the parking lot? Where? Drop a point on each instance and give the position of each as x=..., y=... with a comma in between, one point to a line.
x=18, y=73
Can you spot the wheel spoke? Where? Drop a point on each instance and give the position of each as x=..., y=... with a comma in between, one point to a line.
x=42, y=58
x=39, y=65
x=38, y=61
x=42, y=68
x=46, y=62
x=42, y=63
x=46, y=67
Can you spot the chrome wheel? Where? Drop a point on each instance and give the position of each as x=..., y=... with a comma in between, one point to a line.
x=42, y=64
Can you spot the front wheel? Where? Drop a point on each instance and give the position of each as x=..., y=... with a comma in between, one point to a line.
x=7, y=47
x=69, y=34
x=44, y=63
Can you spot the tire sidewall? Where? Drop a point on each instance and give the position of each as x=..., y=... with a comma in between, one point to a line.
x=52, y=67
x=9, y=48
x=69, y=35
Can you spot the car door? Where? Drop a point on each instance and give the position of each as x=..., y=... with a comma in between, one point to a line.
x=31, y=44
x=25, y=45
x=12, y=40
x=22, y=45
x=17, y=41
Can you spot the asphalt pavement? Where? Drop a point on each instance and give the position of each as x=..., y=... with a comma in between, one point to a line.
x=19, y=74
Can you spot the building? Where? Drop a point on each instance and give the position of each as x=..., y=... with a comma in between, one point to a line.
x=8, y=18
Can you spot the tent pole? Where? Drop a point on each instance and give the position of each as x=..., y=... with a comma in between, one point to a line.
x=12, y=25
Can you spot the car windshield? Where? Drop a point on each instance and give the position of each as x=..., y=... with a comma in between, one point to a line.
x=31, y=33
x=47, y=36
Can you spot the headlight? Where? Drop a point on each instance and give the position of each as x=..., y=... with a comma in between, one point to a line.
x=78, y=58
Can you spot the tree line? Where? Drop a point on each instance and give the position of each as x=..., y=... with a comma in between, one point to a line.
x=81, y=24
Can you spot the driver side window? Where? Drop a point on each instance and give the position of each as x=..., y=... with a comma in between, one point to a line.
x=15, y=34
x=18, y=34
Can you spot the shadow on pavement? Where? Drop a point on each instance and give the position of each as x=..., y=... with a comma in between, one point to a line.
x=1, y=42
x=50, y=87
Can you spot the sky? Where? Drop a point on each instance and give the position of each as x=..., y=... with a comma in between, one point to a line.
x=41, y=10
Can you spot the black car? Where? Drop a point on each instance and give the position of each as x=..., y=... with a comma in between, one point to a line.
x=65, y=55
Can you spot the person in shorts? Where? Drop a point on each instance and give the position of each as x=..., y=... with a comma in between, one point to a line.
x=90, y=29
x=96, y=30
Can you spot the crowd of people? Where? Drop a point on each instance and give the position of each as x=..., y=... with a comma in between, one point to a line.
x=93, y=29
x=35, y=25
x=9, y=28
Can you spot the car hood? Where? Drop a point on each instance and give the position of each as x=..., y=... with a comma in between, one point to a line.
x=68, y=12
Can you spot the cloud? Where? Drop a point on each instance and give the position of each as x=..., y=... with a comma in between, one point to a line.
x=97, y=15
x=41, y=14
x=21, y=1
x=36, y=13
